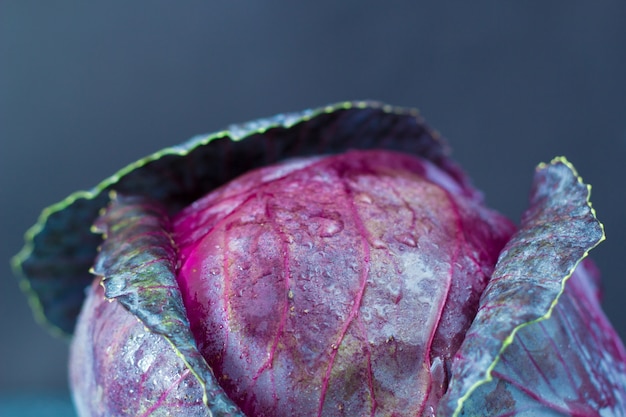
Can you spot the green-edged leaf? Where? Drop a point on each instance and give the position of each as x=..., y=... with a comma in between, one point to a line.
x=138, y=264
x=572, y=364
x=60, y=248
x=557, y=231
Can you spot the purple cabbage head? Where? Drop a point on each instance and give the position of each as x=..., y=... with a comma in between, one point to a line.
x=333, y=262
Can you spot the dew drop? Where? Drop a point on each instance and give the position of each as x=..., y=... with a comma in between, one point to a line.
x=329, y=227
x=364, y=198
x=394, y=288
x=407, y=239
x=378, y=244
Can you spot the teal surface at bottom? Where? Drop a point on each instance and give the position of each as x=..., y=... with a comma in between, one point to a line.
x=36, y=405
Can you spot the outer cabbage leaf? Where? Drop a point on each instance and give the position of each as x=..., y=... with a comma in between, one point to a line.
x=138, y=264
x=557, y=232
x=60, y=248
x=120, y=368
x=572, y=364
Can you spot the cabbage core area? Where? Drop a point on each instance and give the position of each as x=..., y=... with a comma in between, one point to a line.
x=337, y=285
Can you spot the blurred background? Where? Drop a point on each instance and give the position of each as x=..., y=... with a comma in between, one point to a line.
x=88, y=87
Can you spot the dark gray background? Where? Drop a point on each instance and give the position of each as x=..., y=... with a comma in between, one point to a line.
x=87, y=87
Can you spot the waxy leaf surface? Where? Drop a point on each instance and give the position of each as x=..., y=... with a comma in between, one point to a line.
x=60, y=248
x=557, y=231
x=138, y=264
x=572, y=364
x=338, y=285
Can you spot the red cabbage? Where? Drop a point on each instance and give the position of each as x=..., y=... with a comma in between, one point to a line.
x=329, y=263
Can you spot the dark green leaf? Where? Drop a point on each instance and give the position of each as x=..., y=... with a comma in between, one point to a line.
x=557, y=231
x=570, y=364
x=60, y=248
x=138, y=264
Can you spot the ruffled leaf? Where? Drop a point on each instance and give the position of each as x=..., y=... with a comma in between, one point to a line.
x=138, y=264
x=60, y=248
x=557, y=232
x=572, y=364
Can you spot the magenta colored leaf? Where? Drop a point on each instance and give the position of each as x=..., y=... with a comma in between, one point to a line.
x=336, y=286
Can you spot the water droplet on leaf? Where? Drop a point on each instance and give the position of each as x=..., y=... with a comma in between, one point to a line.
x=329, y=227
x=407, y=239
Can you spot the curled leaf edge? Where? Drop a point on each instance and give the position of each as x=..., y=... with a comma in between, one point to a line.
x=488, y=376
x=232, y=132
